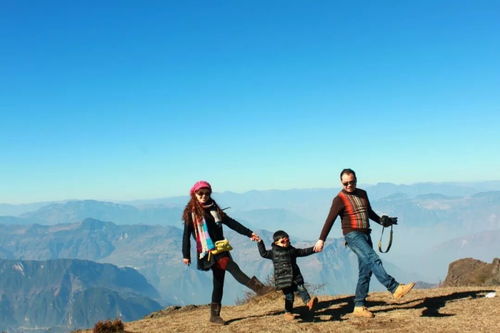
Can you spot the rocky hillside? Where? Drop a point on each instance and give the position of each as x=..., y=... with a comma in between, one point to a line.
x=473, y=272
x=453, y=309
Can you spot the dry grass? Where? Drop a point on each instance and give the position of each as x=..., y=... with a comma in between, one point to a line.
x=453, y=309
x=108, y=326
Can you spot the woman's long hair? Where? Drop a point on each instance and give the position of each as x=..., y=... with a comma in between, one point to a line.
x=194, y=206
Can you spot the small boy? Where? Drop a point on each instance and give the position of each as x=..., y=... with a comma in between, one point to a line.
x=287, y=276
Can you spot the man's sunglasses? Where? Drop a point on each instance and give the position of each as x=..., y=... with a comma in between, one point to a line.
x=349, y=183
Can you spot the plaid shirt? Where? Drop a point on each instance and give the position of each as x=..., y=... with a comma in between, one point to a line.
x=354, y=210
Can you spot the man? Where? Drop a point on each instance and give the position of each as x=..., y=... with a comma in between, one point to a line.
x=353, y=207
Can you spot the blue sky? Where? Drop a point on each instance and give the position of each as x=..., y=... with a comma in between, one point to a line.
x=118, y=100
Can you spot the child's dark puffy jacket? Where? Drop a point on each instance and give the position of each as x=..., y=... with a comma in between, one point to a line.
x=286, y=270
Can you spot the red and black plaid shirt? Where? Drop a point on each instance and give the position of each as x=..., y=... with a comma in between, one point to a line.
x=354, y=210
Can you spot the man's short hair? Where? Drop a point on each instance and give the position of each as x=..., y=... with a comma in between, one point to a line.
x=349, y=172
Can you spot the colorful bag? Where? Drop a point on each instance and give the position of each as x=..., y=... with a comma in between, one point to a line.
x=209, y=260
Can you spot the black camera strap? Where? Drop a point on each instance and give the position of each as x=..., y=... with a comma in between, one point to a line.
x=380, y=241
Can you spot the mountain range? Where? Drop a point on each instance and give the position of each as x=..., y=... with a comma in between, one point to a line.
x=75, y=211
x=64, y=294
x=155, y=251
x=429, y=215
x=438, y=223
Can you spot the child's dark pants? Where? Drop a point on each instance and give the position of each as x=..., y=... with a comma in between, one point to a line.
x=289, y=293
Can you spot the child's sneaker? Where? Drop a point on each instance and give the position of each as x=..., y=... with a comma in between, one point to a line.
x=289, y=316
x=312, y=303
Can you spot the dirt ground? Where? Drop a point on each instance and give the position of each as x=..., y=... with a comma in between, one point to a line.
x=457, y=309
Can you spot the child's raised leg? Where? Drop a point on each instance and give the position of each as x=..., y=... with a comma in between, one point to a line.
x=306, y=298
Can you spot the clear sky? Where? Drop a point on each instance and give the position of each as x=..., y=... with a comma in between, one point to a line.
x=118, y=100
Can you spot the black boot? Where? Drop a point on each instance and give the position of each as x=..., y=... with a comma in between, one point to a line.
x=258, y=287
x=215, y=314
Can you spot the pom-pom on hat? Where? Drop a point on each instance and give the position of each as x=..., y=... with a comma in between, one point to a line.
x=279, y=234
x=199, y=185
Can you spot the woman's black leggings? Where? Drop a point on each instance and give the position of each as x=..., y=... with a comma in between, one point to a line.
x=219, y=274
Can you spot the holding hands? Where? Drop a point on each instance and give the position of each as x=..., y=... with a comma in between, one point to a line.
x=255, y=237
x=318, y=247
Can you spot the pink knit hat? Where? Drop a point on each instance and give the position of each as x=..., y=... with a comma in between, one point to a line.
x=200, y=184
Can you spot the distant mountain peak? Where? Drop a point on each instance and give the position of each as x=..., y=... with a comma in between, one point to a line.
x=432, y=196
x=91, y=223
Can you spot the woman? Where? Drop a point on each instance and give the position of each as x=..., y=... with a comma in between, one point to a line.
x=203, y=219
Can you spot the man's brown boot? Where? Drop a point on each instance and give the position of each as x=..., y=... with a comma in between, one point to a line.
x=362, y=311
x=289, y=316
x=215, y=314
x=402, y=290
x=312, y=303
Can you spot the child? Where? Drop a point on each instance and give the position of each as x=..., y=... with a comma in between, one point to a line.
x=287, y=276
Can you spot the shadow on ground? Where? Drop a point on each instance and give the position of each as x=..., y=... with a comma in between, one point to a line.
x=336, y=309
x=432, y=305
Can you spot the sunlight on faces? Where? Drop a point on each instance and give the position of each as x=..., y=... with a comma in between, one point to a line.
x=348, y=182
x=283, y=242
x=203, y=195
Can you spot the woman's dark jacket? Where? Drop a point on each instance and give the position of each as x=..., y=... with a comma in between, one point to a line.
x=286, y=270
x=214, y=230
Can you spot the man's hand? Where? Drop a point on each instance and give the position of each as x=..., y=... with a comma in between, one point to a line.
x=318, y=247
x=186, y=261
x=387, y=221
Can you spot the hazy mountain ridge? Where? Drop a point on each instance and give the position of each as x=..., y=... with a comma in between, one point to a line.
x=292, y=199
x=76, y=211
x=280, y=209
x=273, y=219
x=138, y=246
x=155, y=251
x=483, y=245
x=59, y=295
x=18, y=209
x=427, y=220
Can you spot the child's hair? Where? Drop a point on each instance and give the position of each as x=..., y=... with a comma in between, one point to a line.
x=279, y=234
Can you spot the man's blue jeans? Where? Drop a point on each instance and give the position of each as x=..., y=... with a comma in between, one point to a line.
x=368, y=262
